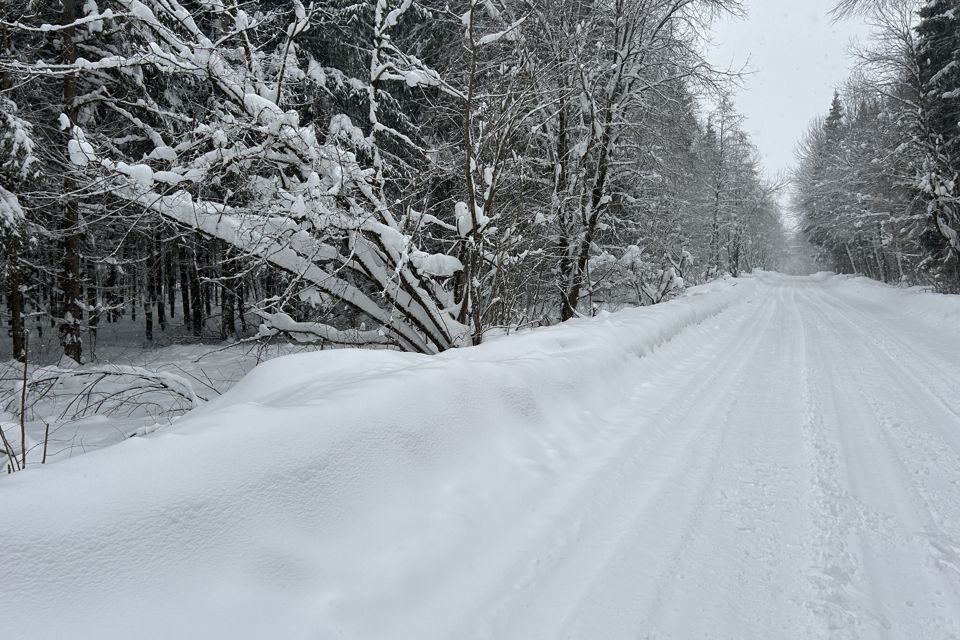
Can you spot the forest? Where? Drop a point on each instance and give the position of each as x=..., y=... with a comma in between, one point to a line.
x=877, y=182
x=413, y=175
x=480, y=319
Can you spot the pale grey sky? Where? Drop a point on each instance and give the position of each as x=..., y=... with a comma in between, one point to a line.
x=798, y=56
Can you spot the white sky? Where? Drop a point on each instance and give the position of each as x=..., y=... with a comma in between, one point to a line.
x=798, y=56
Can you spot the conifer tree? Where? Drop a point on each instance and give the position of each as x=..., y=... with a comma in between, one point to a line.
x=938, y=52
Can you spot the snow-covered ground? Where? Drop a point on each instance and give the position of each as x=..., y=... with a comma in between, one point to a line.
x=768, y=457
x=129, y=390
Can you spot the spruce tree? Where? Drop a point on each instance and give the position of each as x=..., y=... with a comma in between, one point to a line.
x=834, y=120
x=939, y=49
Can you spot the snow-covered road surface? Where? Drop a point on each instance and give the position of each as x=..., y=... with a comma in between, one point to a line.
x=766, y=458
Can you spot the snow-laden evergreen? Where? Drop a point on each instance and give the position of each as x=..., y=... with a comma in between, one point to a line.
x=877, y=184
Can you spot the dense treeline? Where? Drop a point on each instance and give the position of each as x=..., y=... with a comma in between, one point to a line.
x=362, y=172
x=878, y=180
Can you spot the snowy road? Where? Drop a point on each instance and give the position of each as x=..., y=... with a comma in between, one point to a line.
x=794, y=474
x=783, y=464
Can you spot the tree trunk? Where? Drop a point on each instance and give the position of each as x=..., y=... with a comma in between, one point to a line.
x=205, y=257
x=15, y=305
x=184, y=268
x=71, y=315
x=560, y=188
x=853, y=263
x=150, y=294
x=93, y=309
x=158, y=280
x=171, y=280
x=576, y=279
x=196, y=298
x=241, y=310
x=228, y=326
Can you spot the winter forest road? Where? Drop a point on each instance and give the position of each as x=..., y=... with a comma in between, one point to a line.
x=794, y=474
x=768, y=458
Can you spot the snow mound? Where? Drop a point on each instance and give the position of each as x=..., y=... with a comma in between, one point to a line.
x=941, y=312
x=327, y=494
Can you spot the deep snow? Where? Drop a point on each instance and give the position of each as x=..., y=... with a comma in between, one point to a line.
x=768, y=457
x=128, y=390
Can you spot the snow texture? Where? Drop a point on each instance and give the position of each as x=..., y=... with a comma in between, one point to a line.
x=11, y=213
x=435, y=264
x=510, y=33
x=464, y=219
x=80, y=151
x=767, y=457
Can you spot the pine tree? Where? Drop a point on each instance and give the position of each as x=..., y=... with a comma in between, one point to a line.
x=834, y=120
x=938, y=52
x=819, y=180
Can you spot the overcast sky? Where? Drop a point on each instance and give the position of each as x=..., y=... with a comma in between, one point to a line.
x=798, y=56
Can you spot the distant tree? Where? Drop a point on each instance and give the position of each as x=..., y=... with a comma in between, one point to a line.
x=834, y=121
x=877, y=182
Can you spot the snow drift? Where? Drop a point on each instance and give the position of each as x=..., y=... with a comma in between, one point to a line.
x=319, y=496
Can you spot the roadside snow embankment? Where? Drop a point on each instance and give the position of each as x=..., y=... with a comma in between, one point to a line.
x=935, y=310
x=319, y=497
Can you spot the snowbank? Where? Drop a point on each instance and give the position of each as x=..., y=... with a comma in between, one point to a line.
x=936, y=310
x=319, y=497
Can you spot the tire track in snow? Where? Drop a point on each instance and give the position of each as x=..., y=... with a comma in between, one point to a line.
x=848, y=602
x=746, y=510
x=930, y=508
x=588, y=519
x=888, y=344
x=651, y=571
x=833, y=611
x=906, y=428
x=875, y=559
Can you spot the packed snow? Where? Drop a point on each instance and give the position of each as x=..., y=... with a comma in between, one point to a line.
x=764, y=457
